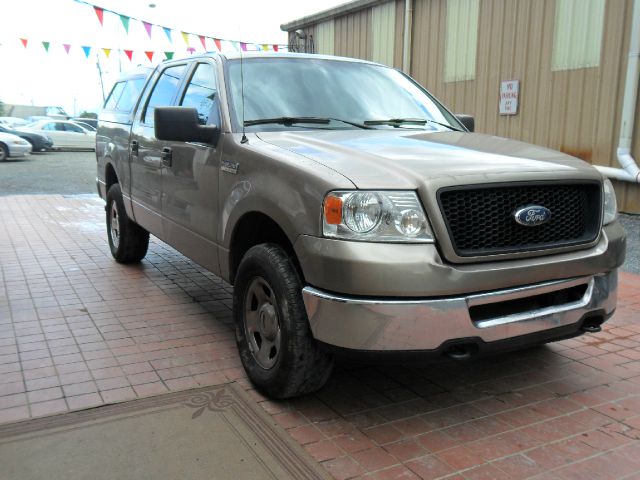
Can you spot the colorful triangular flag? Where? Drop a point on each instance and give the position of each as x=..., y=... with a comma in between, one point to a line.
x=128, y=53
x=87, y=51
x=149, y=55
x=167, y=32
x=265, y=47
x=168, y=55
x=275, y=48
x=243, y=46
x=125, y=22
x=185, y=36
x=147, y=27
x=191, y=50
x=203, y=40
x=100, y=13
x=107, y=52
x=24, y=42
x=46, y=45
x=67, y=47
x=218, y=44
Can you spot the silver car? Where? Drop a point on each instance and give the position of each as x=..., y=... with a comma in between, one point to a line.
x=13, y=146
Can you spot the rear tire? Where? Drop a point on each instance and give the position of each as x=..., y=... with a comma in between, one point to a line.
x=277, y=349
x=128, y=241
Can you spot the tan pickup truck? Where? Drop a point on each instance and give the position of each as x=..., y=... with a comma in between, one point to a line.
x=353, y=213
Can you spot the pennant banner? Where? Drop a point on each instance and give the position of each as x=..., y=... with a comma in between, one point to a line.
x=147, y=27
x=100, y=13
x=125, y=22
x=87, y=51
x=46, y=46
x=168, y=55
x=67, y=47
x=149, y=56
x=24, y=42
x=107, y=52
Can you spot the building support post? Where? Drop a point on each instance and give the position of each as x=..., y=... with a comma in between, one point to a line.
x=406, y=46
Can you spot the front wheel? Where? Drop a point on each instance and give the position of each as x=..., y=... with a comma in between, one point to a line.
x=4, y=153
x=128, y=241
x=276, y=347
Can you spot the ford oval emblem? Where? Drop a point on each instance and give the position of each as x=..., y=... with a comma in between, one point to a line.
x=532, y=215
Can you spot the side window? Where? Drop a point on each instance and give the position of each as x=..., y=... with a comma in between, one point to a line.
x=114, y=96
x=129, y=95
x=59, y=127
x=49, y=126
x=70, y=127
x=202, y=94
x=164, y=91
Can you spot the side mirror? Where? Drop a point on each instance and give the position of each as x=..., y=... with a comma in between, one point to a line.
x=466, y=120
x=180, y=124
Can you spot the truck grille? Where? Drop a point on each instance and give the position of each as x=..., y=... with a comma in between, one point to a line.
x=480, y=219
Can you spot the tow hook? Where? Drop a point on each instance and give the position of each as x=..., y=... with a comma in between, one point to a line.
x=458, y=352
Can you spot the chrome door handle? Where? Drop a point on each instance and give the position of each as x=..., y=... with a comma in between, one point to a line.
x=134, y=147
x=166, y=156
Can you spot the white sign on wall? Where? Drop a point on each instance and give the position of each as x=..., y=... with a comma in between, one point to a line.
x=509, y=97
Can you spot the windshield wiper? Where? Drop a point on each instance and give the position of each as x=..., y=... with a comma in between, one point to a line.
x=288, y=121
x=398, y=122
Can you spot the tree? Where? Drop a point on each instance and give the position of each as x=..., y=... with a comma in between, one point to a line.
x=88, y=115
x=1, y=108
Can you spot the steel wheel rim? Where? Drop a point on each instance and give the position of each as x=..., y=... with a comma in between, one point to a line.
x=261, y=323
x=114, y=225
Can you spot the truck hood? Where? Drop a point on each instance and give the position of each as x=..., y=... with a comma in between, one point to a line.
x=404, y=159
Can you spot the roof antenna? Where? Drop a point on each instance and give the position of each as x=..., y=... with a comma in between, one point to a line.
x=244, y=135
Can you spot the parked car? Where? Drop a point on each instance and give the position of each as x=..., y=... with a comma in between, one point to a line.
x=13, y=146
x=12, y=121
x=39, y=143
x=84, y=120
x=65, y=134
x=368, y=220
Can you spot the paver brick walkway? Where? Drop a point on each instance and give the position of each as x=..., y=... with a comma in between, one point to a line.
x=78, y=330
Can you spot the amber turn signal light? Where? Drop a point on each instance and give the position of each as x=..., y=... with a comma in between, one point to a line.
x=332, y=210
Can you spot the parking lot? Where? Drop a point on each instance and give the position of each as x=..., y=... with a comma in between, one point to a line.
x=78, y=330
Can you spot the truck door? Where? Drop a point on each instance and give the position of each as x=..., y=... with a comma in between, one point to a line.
x=146, y=151
x=190, y=177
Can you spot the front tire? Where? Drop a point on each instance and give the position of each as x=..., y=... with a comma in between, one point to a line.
x=4, y=152
x=278, y=352
x=128, y=241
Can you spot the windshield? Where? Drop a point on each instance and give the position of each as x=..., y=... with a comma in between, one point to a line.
x=333, y=89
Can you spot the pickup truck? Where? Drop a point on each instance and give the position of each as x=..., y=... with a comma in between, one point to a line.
x=353, y=213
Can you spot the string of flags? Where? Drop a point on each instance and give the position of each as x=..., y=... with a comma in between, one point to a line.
x=149, y=27
x=149, y=54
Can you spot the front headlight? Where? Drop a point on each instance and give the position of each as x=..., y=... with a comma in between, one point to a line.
x=375, y=216
x=20, y=142
x=610, y=203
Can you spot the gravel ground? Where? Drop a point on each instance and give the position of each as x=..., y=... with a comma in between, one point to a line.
x=64, y=173
x=73, y=173
x=631, y=224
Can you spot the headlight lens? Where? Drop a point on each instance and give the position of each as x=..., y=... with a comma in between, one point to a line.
x=610, y=203
x=384, y=216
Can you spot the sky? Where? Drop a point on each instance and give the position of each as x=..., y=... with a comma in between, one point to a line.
x=35, y=76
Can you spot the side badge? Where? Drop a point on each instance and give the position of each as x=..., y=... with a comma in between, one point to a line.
x=229, y=166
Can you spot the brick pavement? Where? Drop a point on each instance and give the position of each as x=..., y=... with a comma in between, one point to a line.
x=77, y=330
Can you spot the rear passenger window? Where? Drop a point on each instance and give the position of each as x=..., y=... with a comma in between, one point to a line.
x=129, y=95
x=202, y=93
x=114, y=96
x=164, y=91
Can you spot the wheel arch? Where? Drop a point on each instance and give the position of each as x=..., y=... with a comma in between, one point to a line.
x=254, y=228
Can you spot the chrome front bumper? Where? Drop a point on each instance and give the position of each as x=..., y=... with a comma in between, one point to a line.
x=427, y=324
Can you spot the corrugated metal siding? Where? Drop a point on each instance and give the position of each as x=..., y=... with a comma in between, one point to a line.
x=383, y=26
x=325, y=38
x=576, y=111
x=353, y=35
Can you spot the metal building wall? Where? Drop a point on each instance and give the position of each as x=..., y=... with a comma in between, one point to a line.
x=575, y=111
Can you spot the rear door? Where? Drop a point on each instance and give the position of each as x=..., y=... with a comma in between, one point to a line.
x=57, y=133
x=77, y=136
x=190, y=179
x=146, y=150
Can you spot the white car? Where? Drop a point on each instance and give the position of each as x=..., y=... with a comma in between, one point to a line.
x=13, y=146
x=65, y=134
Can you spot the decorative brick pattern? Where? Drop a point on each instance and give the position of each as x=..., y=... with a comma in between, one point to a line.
x=78, y=330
